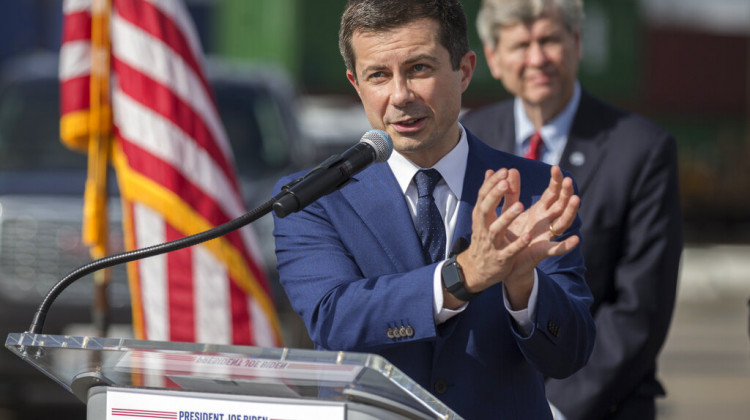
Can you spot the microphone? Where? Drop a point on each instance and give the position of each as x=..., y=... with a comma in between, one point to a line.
x=375, y=146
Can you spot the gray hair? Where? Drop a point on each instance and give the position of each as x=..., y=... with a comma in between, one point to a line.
x=496, y=13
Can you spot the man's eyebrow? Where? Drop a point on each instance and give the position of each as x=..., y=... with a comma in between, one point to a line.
x=412, y=60
x=422, y=57
x=373, y=67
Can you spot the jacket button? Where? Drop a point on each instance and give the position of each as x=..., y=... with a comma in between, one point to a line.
x=553, y=328
x=389, y=333
x=441, y=387
x=409, y=331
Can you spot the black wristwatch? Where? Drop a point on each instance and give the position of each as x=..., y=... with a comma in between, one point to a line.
x=453, y=279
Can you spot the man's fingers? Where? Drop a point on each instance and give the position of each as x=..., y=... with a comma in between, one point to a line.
x=514, y=189
x=561, y=202
x=490, y=193
x=491, y=200
x=507, y=246
x=552, y=192
x=499, y=226
x=491, y=179
x=560, y=224
x=562, y=247
x=512, y=249
x=504, y=183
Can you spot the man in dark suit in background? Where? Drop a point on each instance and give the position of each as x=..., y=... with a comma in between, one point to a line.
x=626, y=170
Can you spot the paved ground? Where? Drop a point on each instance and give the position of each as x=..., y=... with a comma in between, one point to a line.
x=705, y=364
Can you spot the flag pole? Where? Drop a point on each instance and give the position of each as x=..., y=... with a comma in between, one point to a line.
x=96, y=224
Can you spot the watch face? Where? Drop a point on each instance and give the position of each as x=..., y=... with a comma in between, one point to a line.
x=453, y=280
x=452, y=275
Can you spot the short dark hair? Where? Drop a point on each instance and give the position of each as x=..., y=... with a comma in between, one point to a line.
x=383, y=15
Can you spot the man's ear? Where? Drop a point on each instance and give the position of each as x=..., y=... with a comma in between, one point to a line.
x=352, y=80
x=468, y=65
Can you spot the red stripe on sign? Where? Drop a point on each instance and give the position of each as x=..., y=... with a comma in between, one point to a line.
x=125, y=412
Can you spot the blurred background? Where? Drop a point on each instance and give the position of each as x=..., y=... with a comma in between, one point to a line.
x=281, y=88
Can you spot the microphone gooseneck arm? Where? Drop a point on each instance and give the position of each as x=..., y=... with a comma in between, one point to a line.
x=330, y=175
x=37, y=322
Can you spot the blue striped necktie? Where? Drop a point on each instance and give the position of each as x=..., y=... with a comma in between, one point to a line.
x=430, y=227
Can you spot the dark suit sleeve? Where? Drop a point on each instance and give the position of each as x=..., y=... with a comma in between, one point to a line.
x=563, y=334
x=337, y=274
x=632, y=326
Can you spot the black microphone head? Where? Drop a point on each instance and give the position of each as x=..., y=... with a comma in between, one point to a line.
x=381, y=142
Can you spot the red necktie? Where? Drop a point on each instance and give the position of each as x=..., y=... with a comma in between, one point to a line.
x=535, y=147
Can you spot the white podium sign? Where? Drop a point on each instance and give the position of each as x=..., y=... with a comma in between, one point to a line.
x=137, y=404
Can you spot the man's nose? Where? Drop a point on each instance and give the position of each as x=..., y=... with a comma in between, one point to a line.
x=535, y=54
x=402, y=93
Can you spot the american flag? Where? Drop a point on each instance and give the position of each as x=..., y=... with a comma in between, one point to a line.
x=174, y=166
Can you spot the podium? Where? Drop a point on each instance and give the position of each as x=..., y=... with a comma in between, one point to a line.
x=136, y=379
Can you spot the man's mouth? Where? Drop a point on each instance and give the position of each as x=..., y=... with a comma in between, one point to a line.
x=409, y=124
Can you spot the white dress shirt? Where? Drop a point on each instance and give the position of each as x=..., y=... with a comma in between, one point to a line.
x=554, y=133
x=452, y=168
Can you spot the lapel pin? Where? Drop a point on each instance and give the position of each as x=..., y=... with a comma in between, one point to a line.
x=577, y=159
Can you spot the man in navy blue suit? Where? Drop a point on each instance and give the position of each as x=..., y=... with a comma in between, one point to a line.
x=626, y=169
x=481, y=324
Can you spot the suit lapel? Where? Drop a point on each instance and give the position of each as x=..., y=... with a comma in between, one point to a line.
x=377, y=199
x=584, y=150
x=472, y=181
x=507, y=129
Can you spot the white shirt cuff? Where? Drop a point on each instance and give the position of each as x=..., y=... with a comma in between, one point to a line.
x=525, y=317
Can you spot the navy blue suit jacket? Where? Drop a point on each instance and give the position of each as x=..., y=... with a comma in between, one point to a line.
x=352, y=267
x=626, y=170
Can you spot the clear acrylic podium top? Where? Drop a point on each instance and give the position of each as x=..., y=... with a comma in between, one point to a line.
x=77, y=363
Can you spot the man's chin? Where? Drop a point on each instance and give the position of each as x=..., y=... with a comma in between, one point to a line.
x=407, y=135
x=538, y=96
x=407, y=143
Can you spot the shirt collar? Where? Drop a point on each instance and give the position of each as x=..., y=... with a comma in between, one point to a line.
x=555, y=132
x=452, y=166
